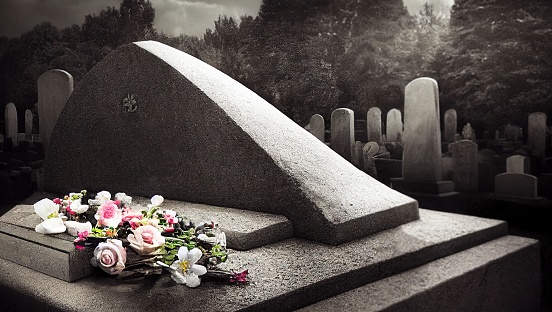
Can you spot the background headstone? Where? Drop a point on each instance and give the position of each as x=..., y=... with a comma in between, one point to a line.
x=373, y=125
x=358, y=157
x=422, y=132
x=370, y=150
x=516, y=185
x=512, y=132
x=517, y=164
x=468, y=133
x=28, y=125
x=342, y=132
x=464, y=166
x=316, y=126
x=536, y=133
x=450, y=125
x=54, y=88
x=10, y=115
x=394, y=126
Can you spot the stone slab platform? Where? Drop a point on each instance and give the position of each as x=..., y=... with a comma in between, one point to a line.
x=501, y=275
x=284, y=276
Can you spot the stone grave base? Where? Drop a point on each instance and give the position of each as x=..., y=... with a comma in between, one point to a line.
x=409, y=186
x=434, y=195
x=466, y=253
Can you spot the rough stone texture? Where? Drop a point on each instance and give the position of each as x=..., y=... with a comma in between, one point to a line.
x=472, y=280
x=517, y=164
x=373, y=125
x=284, y=276
x=516, y=185
x=468, y=133
x=343, y=132
x=536, y=133
x=54, y=88
x=358, y=155
x=451, y=125
x=317, y=127
x=465, y=166
x=394, y=126
x=187, y=116
x=10, y=116
x=28, y=125
x=422, y=133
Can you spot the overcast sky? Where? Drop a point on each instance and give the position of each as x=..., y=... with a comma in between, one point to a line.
x=173, y=17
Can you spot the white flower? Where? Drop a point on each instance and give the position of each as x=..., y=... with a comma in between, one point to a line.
x=51, y=226
x=77, y=207
x=157, y=200
x=46, y=208
x=103, y=196
x=127, y=200
x=120, y=196
x=73, y=227
x=184, y=270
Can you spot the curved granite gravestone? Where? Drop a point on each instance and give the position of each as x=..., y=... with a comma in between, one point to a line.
x=150, y=119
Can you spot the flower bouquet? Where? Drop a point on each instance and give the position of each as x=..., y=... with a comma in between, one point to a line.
x=132, y=242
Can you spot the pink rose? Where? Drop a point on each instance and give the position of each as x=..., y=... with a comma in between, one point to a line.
x=129, y=214
x=109, y=214
x=170, y=216
x=110, y=256
x=146, y=239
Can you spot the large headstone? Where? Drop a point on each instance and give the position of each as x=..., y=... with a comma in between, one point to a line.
x=422, y=133
x=536, y=133
x=373, y=125
x=342, y=133
x=150, y=119
x=316, y=126
x=464, y=166
x=394, y=126
x=516, y=185
x=54, y=88
x=517, y=164
x=28, y=125
x=10, y=115
x=450, y=125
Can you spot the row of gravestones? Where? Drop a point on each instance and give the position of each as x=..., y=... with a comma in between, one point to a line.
x=22, y=154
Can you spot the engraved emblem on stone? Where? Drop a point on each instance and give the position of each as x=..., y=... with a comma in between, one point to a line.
x=130, y=103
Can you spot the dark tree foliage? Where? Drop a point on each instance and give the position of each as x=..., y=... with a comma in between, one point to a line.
x=496, y=66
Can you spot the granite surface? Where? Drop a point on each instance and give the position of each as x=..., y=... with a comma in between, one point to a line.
x=284, y=276
x=150, y=119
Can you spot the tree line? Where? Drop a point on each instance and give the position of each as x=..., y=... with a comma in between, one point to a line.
x=491, y=59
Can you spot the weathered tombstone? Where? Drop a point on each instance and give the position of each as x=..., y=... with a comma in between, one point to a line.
x=516, y=185
x=54, y=88
x=517, y=164
x=497, y=135
x=274, y=166
x=316, y=127
x=536, y=133
x=394, y=126
x=28, y=125
x=343, y=132
x=422, y=133
x=422, y=164
x=464, y=166
x=468, y=133
x=358, y=155
x=373, y=125
x=450, y=126
x=370, y=150
x=10, y=113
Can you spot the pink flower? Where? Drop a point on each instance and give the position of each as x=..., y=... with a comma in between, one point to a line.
x=110, y=256
x=109, y=214
x=239, y=277
x=146, y=239
x=134, y=223
x=129, y=214
x=82, y=236
x=170, y=216
x=57, y=201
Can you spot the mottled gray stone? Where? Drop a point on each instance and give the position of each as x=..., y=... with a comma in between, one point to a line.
x=422, y=133
x=343, y=132
x=394, y=126
x=370, y=150
x=10, y=117
x=517, y=164
x=450, y=125
x=468, y=133
x=536, y=133
x=471, y=280
x=464, y=166
x=284, y=276
x=317, y=127
x=358, y=155
x=54, y=88
x=373, y=125
x=516, y=185
x=172, y=136
x=28, y=125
